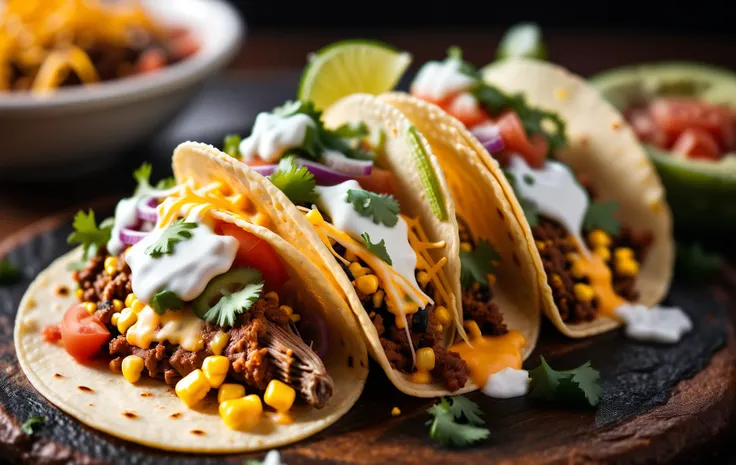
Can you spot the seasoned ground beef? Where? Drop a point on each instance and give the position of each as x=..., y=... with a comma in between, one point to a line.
x=97, y=285
x=478, y=306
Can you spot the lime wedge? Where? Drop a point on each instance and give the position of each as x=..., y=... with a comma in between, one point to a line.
x=522, y=40
x=349, y=67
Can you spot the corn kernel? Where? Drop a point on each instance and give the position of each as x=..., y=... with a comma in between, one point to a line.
x=111, y=270
x=272, y=297
x=623, y=253
x=126, y=319
x=357, y=270
x=423, y=278
x=132, y=368
x=230, y=391
x=425, y=359
x=218, y=342
x=215, y=369
x=350, y=256
x=465, y=246
x=111, y=262
x=442, y=315
x=367, y=284
x=395, y=412
x=491, y=279
x=112, y=366
x=115, y=318
x=556, y=281
x=91, y=307
x=420, y=377
x=540, y=245
x=192, y=388
x=599, y=238
x=129, y=299
x=578, y=269
x=295, y=318
x=243, y=413
x=286, y=309
x=79, y=293
x=571, y=257
x=378, y=299
x=627, y=267
x=279, y=395
x=137, y=306
x=117, y=305
x=473, y=330
x=603, y=252
x=583, y=292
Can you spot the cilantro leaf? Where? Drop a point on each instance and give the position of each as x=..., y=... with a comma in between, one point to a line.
x=165, y=300
x=382, y=208
x=32, y=424
x=88, y=234
x=445, y=429
x=172, y=235
x=166, y=183
x=297, y=183
x=579, y=386
x=231, y=145
x=477, y=264
x=378, y=249
x=601, y=215
x=695, y=262
x=143, y=176
x=231, y=304
x=9, y=273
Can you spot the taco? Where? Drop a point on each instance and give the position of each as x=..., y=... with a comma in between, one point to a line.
x=363, y=186
x=600, y=225
x=196, y=305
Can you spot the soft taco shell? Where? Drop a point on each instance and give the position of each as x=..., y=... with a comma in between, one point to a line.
x=149, y=412
x=605, y=149
x=481, y=202
x=204, y=163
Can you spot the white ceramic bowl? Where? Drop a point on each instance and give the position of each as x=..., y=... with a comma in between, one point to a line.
x=81, y=129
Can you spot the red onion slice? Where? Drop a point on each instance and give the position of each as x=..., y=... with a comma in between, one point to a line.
x=147, y=209
x=339, y=162
x=489, y=136
x=131, y=237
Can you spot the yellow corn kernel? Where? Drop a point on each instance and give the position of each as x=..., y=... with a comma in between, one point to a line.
x=286, y=309
x=556, y=281
x=603, y=252
x=230, y=391
x=378, y=299
x=192, y=388
x=112, y=367
x=473, y=330
x=350, y=256
x=279, y=395
x=243, y=413
x=583, y=292
x=132, y=368
x=129, y=299
x=578, y=269
x=111, y=262
x=117, y=305
x=215, y=369
x=442, y=315
x=79, y=293
x=420, y=377
x=91, y=307
x=465, y=246
x=423, y=278
x=126, y=319
x=219, y=342
x=115, y=318
x=627, y=267
x=395, y=412
x=623, y=253
x=425, y=359
x=599, y=238
x=367, y=284
x=571, y=257
x=540, y=245
x=491, y=279
x=111, y=270
x=272, y=297
x=357, y=270
x=137, y=306
x=295, y=318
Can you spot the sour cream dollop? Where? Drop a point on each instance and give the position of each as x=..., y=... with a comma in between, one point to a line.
x=273, y=134
x=507, y=383
x=439, y=79
x=658, y=324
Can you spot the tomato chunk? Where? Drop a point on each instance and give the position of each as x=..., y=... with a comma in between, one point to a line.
x=256, y=253
x=515, y=139
x=51, y=334
x=83, y=334
x=466, y=108
x=379, y=181
x=676, y=115
x=696, y=143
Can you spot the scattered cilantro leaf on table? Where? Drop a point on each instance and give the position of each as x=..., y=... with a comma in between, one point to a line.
x=377, y=249
x=173, y=234
x=477, y=264
x=89, y=234
x=381, y=208
x=297, y=183
x=445, y=429
x=578, y=386
x=602, y=215
x=33, y=424
x=165, y=300
x=9, y=273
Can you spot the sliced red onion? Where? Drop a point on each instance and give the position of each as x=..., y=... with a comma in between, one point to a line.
x=339, y=162
x=265, y=170
x=147, y=210
x=325, y=176
x=130, y=236
x=489, y=136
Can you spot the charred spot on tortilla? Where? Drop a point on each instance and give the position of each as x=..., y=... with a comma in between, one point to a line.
x=85, y=389
x=198, y=432
x=90, y=404
x=515, y=258
x=61, y=290
x=175, y=415
x=130, y=415
x=350, y=361
x=59, y=375
x=146, y=394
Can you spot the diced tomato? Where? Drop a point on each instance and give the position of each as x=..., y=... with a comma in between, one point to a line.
x=647, y=129
x=675, y=115
x=51, y=334
x=516, y=140
x=184, y=46
x=82, y=334
x=151, y=60
x=256, y=253
x=257, y=162
x=379, y=181
x=467, y=109
x=696, y=143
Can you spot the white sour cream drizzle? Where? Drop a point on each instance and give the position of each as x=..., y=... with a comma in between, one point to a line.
x=439, y=79
x=273, y=134
x=656, y=324
x=273, y=458
x=333, y=201
x=507, y=383
x=126, y=216
x=555, y=192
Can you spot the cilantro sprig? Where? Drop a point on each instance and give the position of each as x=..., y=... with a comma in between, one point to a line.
x=143, y=176
x=601, y=215
x=231, y=304
x=477, y=264
x=231, y=145
x=165, y=300
x=31, y=425
x=296, y=182
x=378, y=249
x=9, y=273
x=173, y=234
x=578, y=386
x=381, y=208
x=90, y=235
x=445, y=427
